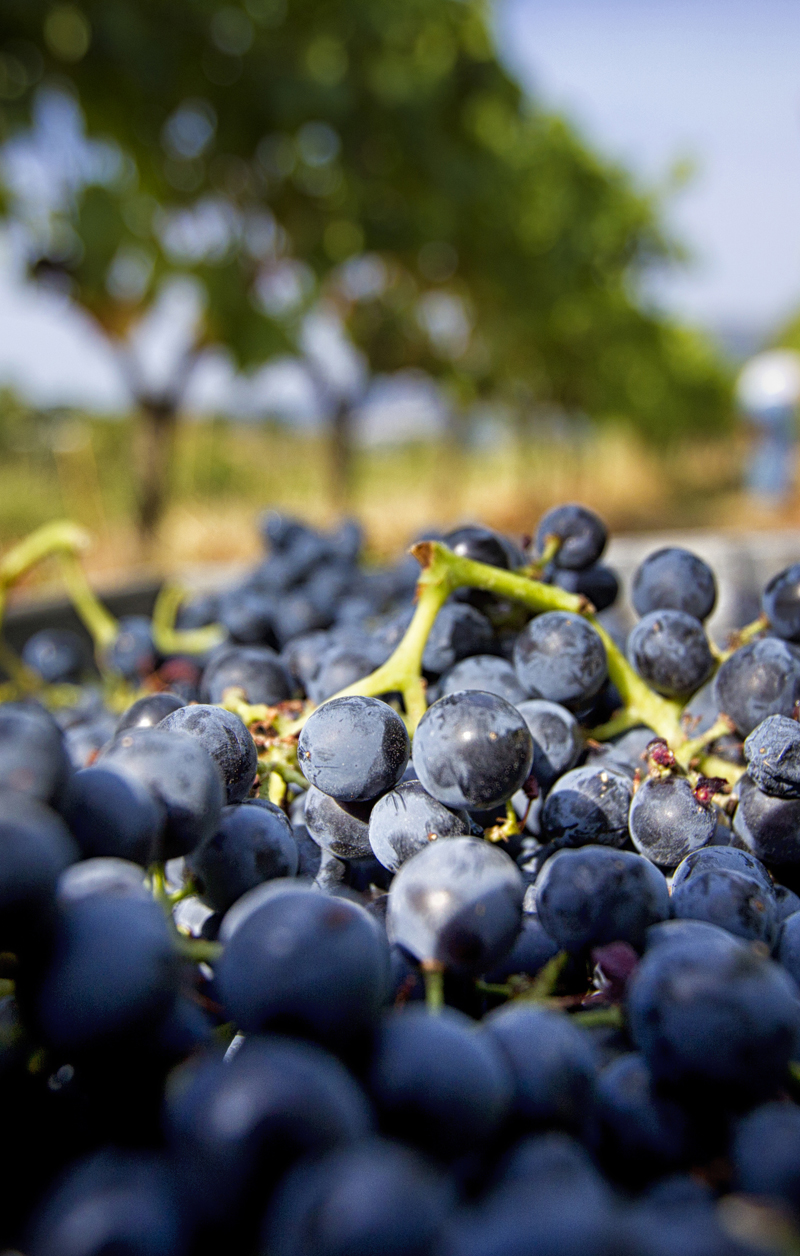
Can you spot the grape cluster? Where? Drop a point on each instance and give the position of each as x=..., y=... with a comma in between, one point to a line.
x=396, y=927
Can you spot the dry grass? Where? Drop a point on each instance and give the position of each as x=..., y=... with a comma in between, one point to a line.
x=225, y=475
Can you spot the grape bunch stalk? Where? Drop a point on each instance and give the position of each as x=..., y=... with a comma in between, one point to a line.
x=400, y=911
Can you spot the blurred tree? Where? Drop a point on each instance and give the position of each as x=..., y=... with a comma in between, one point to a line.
x=369, y=154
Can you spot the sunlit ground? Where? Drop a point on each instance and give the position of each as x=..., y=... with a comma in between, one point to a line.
x=225, y=475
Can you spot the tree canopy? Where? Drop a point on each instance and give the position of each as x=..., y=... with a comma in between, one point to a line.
x=376, y=154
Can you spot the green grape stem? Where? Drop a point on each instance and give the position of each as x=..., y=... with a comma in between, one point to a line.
x=442, y=573
x=171, y=640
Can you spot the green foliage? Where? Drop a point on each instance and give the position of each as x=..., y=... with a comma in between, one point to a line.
x=301, y=136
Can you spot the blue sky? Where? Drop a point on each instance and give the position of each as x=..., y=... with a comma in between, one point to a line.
x=651, y=82
x=716, y=81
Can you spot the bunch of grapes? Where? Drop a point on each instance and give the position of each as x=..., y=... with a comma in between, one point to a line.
x=400, y=912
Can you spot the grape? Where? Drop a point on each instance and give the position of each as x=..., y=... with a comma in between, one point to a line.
x=641, y=1133
x=472, y=750
x=781, y=603
x=731, y=900
x=111, y=1201
x=581, y=532
x=33, y=759
x=353, y=749
x=248, y=615
x=340, y=827
x=375, y=1199
x=766, y=1154
x=148, y=711
x=94, y=993
x=305, y=963
x=239, y=1124
x=597, y=583
x=550, y=1199
x=35, y=848
x=406, y=819
x=595, y=895
x=479, y=544
x=458, y=631
x=587, y=805
x=674, y=579
x=111, y=812
x=552, y=1062
x=730, y=858
x=560, y=657
x=132, y=653
x=339, y=667
x=715, y=1014
x=786, y=902
x=438, y=1082
x=58, y=655
x=670, y=650
x=760, y=679
x=772, y=752
x=667, y=822
x=768, y=827
x=529, y=954
x=458, y=903
x=251, y=845
x=180, y=775
x=485, y=672
x=557, y=743
x=226, y=738
x=256, y=670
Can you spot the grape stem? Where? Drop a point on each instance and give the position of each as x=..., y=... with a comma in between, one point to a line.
x=442, y=573
x=433, y=976
x=171, y=640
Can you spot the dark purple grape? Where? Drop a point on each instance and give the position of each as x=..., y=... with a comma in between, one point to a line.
x=111, y=1201
x=486, y=672
x=149, y=711
x=772, y=752
x=670, y=651
x=406, y=820
x=181, y=776
x=56, y=654
x=560, y=657
x=256, y=670
x=595, y=895
x=458, y=903
x=781, y=603
x=731, y=900
x=374, y=1199
x=112, y=813
x=235, y=1126
x=306, y=964
x=552, y=1063
x=768, y=827
x=597, y=583
x=582, y=534
x=641, y=1133
x=587, y=805
x=472, y=750
x=342, y=828
x=113, y=975
x=707, y=1010
x=728, y=857
x=33, y=758
x=132, y=653
x=762, y=678
x=227, y=740
x=353, y=748
x=667, y=822
x=766, y=1154
x=251, y=845
x=35, y=848
x=674, y=579
x=557, y=742
x=437, y=1081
